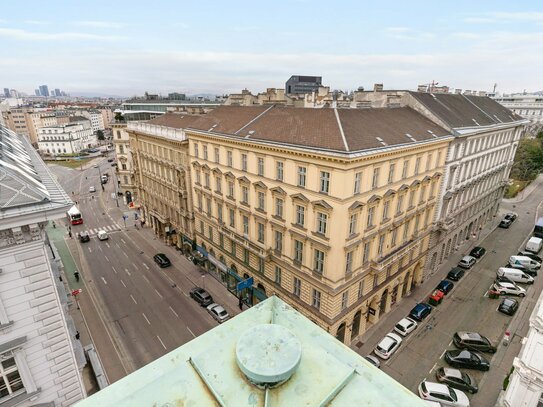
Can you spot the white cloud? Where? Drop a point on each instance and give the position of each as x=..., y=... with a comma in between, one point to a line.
x=506, y=17
x=397, y=29
x=98, y=24
x=406, y=33
x=19, y=34
x=36, y=22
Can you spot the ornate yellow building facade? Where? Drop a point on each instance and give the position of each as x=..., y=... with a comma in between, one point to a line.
x=329, y=209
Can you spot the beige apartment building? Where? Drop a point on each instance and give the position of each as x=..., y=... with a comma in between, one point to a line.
x=28, y=121
x=329, y=209
x=161, y=176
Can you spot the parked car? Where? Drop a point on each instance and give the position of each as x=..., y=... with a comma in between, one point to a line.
x=92, y=188
x=515, y=275
x=201, y=296
x=467, y=262
x=113, y=164
x=102, y=235
x=373, y=360
x=110, y=160
x=473, y=341
x=524, y=262
x=466, y=359
x=505, y=223
x=457, y=379
x=445, y=286
x=511, y=216
x=420, y=311
x=531, y=256
x=477, y=252
x=95, y=166
x=388, y=345
x=84, y=237
x=508, y=306
x=442, y=393
x=162, y=260
x=405, y=326
x=218, y=313
x=455, y=274
x=534, y=245
x=509, y=288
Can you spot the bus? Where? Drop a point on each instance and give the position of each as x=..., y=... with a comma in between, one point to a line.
x=74, y=216
x=538, y=229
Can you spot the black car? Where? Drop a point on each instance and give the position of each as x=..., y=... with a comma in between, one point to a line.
x=473, y=341
x=84, y=237
x=531, y=256
x=456, y=274
x=510, y=216
x=420, y=311
x=110, y=160
x=466, y=359
x=508, y=306
x=477, y=252
x=162, y=260
x=445, y=286
x=201, y=296
x=457, y=379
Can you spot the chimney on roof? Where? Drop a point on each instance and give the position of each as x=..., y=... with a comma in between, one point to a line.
x=458, y=91
x=422, y=88
x=467, y=92
x=482, y=93
x=378, y=87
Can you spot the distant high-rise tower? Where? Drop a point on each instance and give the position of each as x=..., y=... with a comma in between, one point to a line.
x=44, y=90
x=57, y=92
x=303, y=84
x=37, y=92
x=6, y=92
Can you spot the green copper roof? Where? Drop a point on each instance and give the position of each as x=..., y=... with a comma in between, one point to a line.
x=206, y=371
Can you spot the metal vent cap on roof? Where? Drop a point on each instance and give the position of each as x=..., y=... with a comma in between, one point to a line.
x=268, y=354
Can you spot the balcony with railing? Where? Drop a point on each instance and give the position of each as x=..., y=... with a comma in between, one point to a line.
x=157, y=131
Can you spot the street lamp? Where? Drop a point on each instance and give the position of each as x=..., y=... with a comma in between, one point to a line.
x=100, y=174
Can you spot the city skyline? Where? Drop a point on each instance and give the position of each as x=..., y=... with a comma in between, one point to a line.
x=214, y=48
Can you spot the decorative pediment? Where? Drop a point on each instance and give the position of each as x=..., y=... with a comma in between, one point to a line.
x=322, y=203
x=216, y=170
x=374, y=198
x=228, y=174
x=448, y=196
x=244, y=179
x=260, y=184
x=426, y=179
x=278, y=190
x=206, y=167
x=196, y=164
x=437, y=175
x=415, y=183
x=403, y=188
x=356, y=205
x=389, y=193
x=300, y=197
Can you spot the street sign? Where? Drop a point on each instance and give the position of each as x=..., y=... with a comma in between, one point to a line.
x=76, y=292
x=371, y=311
x=245, y=284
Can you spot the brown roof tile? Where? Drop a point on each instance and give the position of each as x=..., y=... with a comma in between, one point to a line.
x=174, y=120
x=228, y=119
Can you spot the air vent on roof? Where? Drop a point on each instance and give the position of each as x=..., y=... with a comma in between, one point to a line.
x=212, y=127
x=380, y=140
x=268, y=355
x=497, y=118
x=410, y=137
x=475, y=121
x=432, y=133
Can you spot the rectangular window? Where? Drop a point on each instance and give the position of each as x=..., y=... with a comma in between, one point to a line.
x=219, y=212
x=367, y=248
x=361, y=289
x=322, y=222
x=422, y=194
x=399, y=206
x=353, y=224
x=391, y=173
x=411, y=198
x=318, y=260
x=381, y=245
x=229, y=158
x=357, y=182
x=230, y=189
x=261, y=265
x=386, y=207
x=405, y=169
x=246, y=226
x=200, y=203
x=298, y=251
x=260, y=166
x=301, y=176
x=221, y=240
x=233, y=248
x=344, y=300
x=10, y=379
x=218, y=184
x=208, y=206
x=261, y=198
x=210, y=232
x=245, y=194
x=371, y=211
x=316, y=299
x=325, y=182
x=246, y=256
x=277, y=275
x=300, y=215
x=232, y=216
x=279, y=170
x=202, y=226
x=195, y=150
x=417, y=165
x=217, y=155
x=206, y=177
x=375, y=178
x=349, y=263
x=205, y=152
x=198, y=179
x=428, y=161
x=406, y=229
x=244, y=162
x=278, y=244
x=279, y=207
x=297, y=287
x=260, y=227
x=393, y=237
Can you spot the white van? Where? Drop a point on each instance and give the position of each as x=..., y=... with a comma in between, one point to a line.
x=518, y=276
x=534, y=244
x=523, y=262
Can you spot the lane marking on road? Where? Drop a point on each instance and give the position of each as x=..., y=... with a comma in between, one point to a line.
x=160, y=295
x=126, y=255
x=450, y=343
x=443, y=354
x=122, y=282
x=144, y=316
x=104, y=280
x=146, y=279
x=433, y=367
x=122, y=240
x=107, y=244
x=105, y=257
x=100, y=248
x=162, y=343
x=192, y=333
x=114, y=269
x=136, y=267
x=175, y=313
x=117, y=244
x=133, y=299
x=90, y=250
x=127, y=272
x=146, y=266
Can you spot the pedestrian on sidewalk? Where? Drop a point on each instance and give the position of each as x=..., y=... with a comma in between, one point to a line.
x=240, y=303
x=77, y=336
x=70, y=234
x=76, y=275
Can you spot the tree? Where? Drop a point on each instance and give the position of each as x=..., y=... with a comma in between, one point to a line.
x=119, y=117
x=100, y=135
x=528, y=160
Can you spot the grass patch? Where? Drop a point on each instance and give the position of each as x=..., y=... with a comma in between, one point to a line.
x=506, y=380
x=515, y=188
x=70, y=163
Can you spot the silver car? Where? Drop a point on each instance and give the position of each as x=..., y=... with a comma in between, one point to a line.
x=218, y=312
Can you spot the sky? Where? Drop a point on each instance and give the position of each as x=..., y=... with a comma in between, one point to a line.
x=128, y=47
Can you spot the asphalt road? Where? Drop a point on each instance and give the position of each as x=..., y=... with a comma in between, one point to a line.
x=146, y=310
x=466, y=308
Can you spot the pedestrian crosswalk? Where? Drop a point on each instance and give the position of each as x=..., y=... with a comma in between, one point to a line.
x=110, y=228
